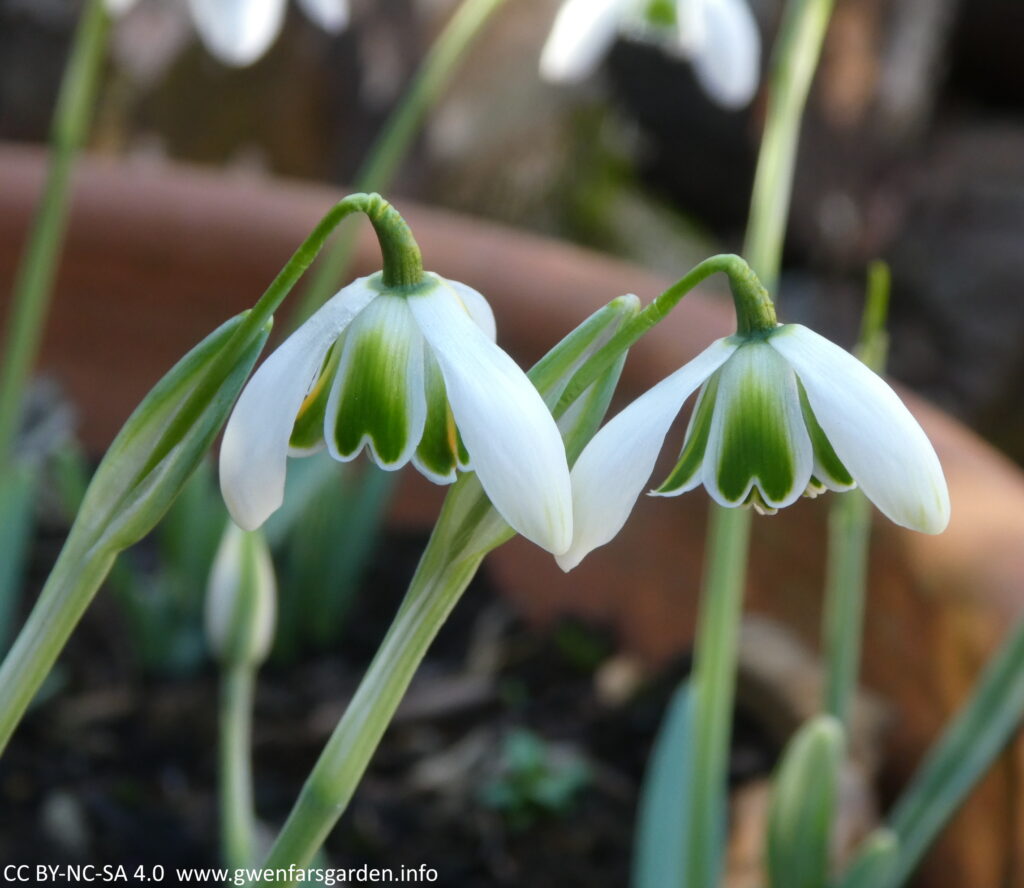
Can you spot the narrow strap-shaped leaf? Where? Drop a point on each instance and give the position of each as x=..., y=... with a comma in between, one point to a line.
x=875, y=864
x=803, y=806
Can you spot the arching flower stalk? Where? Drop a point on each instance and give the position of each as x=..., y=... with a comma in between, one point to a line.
x=719, y=37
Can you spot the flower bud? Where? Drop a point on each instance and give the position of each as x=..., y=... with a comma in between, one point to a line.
x=241, y=599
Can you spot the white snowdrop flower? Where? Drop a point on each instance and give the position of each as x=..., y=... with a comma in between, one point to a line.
x=781, y=413
x=238, y=32
x=412, y=374
x=719, y=37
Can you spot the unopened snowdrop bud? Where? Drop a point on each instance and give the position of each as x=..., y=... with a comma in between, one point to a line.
x=782, y=412
x=241, y=599
x=719, y=37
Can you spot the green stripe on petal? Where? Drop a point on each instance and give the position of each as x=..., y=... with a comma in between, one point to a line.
x=378, y=392
x=758, y=437
x=686, y=475
x=437, y=455
x=828, y=468
x=308, y=431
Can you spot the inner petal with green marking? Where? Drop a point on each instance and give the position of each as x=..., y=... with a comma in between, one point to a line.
x=829, y=470
x=308, y=431
x=378, y=392
x=757, y=437
x=687, y=475
x=438, y=453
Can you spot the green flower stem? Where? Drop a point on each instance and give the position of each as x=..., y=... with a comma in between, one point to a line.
x=714, y=686
x=849, y=535
x=715, y=661
x=34, y=283
x=237, y=815
x=754, y=311
x=393, y=144
x=795, y=58
x=443, y=574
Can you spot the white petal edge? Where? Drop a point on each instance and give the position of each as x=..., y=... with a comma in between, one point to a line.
x=331, y=15
x=611, y=472
x=254, y=453
x=477, y=306
x=758, y=358
x=582, y=33
x=238, y=32
x=870, y=429
x=511, y=437
x=727, y=61
x=389, y=316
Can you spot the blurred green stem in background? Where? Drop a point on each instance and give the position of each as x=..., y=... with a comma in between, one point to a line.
x=714, y=672
x=238, y=820
x=849, y=532
x=392, y=145
x=34, y=282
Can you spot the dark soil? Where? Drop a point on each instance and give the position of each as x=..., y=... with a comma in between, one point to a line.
x=113, y=767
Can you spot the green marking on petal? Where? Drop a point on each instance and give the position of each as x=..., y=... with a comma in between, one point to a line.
x=437, y=450
x=755, y=441
x=374, y=401
x=308, y=431
x=661, y=13
x=691, y=458
x=826, y=461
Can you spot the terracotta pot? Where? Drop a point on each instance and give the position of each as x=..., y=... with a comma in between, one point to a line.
x=157, y=256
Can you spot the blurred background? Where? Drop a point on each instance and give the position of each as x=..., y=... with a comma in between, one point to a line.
x=912, y=151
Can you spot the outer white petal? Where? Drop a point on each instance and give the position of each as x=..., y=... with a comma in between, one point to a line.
x=478, y=307
x=613, y=468
x=512, y=439
x=872, y=432
x=582, y=33
x=238, y=32
x=254, y=455
x=331, y=15
x=728, y=59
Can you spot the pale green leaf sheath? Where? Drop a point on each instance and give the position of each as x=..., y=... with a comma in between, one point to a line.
x=782, y=412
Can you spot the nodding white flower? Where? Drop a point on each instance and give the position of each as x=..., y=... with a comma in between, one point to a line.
x=413, y=374
x=238, y=32
x=780, y=414
x=719, y=37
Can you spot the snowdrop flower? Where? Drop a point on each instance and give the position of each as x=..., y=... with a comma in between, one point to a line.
x=781, y=412
x=238, y=32
x=719, y=37
x=412, y=374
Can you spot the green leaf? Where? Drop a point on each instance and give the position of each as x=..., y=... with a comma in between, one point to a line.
x=966, y=750
x=17, y=501
x=875, y=864
x=161, y=444
x=803, y=806
x=661, y=825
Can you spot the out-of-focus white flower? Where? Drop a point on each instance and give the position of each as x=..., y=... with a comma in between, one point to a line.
x=780, y=414
x=719, y=37
x=414, y=375
x=238, y=32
